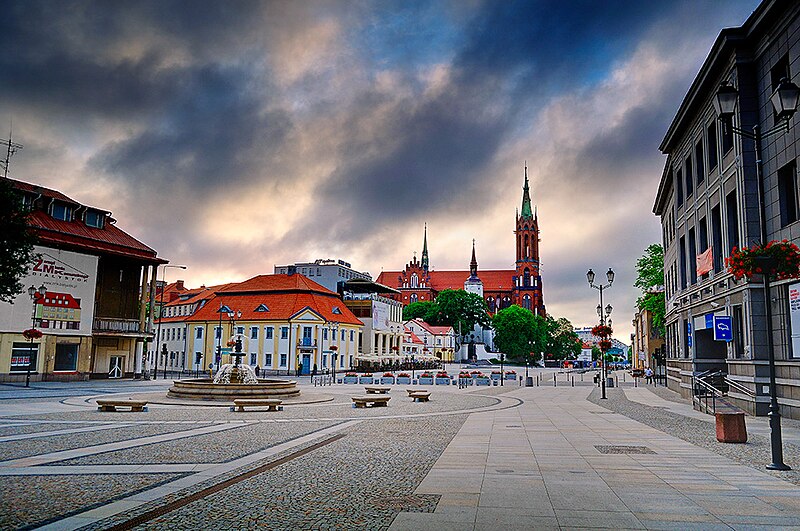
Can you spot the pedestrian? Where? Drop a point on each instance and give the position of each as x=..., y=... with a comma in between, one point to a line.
x=648, y=375
x=314, y=370
x=258, y=371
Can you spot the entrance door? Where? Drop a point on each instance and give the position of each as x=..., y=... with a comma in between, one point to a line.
x=306, y=364
x=116, y=365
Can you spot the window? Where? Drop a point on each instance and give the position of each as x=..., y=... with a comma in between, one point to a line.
x=682, y=251
x=526, y=302
x=689, y=180
x=253, y=358
x=66, y=357
x=324, y=334
x=268, y=360
x=283, y=360
x=344, y=337
x=217, y=332
x=240, y=330
x=526, y=278
x=336, y=310
x=268, y=332
x=732, y=213
x=716, y=238
x=253, y=332
x=22, y=354
x=712, y=145
x=738, y=332
x=198, y=333
x=414, y=280
x=698, y=161
x=352, y=335
x=727, y=139
x=262, y=308
x=414, y=297
x=679, y=186
x=284, y=332
x=702, y=243
x=692, y=255
x=787, y=193
x=93, y=218
x=61, y=211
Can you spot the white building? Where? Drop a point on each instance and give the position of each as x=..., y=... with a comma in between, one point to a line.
x=326, y=272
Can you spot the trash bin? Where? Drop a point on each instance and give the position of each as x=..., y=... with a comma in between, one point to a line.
x=610, y=381
x=529, y=381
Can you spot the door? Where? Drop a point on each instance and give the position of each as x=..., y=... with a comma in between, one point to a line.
x=116, y=366
x=306, y=364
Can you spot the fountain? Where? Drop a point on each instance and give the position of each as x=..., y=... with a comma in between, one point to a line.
x=233, y=381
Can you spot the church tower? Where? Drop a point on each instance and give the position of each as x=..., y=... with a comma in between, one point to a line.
x=425, y=261
x=528, y=281
x=473, y=284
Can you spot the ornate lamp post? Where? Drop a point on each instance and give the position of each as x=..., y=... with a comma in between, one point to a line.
x=785, y=101
x=590, y=277
x=35, y=294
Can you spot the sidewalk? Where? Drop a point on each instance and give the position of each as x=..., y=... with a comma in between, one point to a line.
x=560, y=461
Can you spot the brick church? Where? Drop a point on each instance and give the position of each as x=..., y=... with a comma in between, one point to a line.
x=500, y=288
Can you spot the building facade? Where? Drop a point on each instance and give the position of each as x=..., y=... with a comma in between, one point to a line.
x=437, y=341
x=325, y=272
x=708, y=203
x=499, y=288
x=91, y=314
x=647, y=344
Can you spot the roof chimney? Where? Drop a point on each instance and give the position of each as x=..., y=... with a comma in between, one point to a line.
x=179, y=285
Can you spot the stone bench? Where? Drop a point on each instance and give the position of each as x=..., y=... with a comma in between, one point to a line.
x=420, y=396
x=376, y=401
x=412, y=391
x=273, y=404
x=374, y=390
x=107, y=404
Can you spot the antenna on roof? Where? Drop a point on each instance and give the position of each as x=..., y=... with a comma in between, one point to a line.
x=12, y=147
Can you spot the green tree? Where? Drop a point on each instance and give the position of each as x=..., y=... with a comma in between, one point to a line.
x=650, y=274
x=458, y=307
x=519, y=334
x=562, y=341
x=16, y=242
x=425, y=310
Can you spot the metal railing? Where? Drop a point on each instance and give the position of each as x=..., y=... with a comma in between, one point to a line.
x=106, y=324
x=709, y=387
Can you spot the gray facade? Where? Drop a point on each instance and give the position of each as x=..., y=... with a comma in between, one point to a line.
x=708, y=197
x=326, y=272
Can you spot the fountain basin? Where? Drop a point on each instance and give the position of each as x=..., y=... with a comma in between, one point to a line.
x=206, y=389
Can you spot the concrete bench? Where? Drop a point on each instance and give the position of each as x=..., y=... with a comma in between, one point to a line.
x=376, y=401
x=273, y=404
x=105, y=404
x=412, y=391
x=420, y=396
x=374, y=390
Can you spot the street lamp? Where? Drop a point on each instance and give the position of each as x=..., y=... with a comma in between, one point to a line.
x=610, y=277
x=160, y=313
x=785, y=101
x=35, y=293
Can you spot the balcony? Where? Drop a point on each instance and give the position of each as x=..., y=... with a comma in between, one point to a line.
x=306, y=342
x=112, y=326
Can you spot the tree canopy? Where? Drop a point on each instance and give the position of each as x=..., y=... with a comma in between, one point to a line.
x=425, y=310
x=562, y=341
x=519, y=334
x=650, y=272
x=451, y=307
x=16, y=242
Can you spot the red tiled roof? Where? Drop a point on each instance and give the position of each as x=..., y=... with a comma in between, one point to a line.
x=493, y=279
x=65, y=300
x=284, y=283
x=414, y=337
x=109, y=239
x=435, y=330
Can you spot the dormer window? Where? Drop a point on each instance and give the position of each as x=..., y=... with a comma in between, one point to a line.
x=262, y=308
x=336, y=310
x=224, y=309
x=95, y=219
x=61, y=211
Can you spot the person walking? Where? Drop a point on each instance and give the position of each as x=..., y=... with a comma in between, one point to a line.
x=258, y=371
x=648, y=375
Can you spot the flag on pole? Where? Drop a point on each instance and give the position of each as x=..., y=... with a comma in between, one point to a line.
x=705, y=262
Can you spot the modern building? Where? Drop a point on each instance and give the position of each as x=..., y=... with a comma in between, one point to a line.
x=708, y=203
x=93, y=318
x=326, y=272
x=500, y=288
x=383, y=332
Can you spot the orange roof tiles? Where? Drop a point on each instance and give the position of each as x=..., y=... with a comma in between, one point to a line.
x=263, y=283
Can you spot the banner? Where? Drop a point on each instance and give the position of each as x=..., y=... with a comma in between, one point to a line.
x=794, y=314
x=705, y=262
x=380, y=315
x=67, y=308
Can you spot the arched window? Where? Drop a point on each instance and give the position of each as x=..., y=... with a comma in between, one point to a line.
x=490, y=302
x=526, y=277
x=414, y=280
x=526, y=302
x=414, y=297
x=527, y=246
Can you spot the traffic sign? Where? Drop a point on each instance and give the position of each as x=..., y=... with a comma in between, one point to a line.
x=723, y=328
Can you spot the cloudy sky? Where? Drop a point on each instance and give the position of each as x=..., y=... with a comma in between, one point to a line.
x=233, y=136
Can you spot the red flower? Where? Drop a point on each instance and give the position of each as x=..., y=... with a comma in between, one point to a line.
x=32, y=333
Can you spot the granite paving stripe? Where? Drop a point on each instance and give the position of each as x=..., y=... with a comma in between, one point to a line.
x=45, y=470
x=61, y=432
x=42, y=459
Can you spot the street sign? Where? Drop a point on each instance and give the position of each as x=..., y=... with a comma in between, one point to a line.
x=723, y=328
x=709, y=320
x=689, y=334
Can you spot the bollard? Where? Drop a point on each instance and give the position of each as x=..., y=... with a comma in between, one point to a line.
x=537, y=380
x=573, y=381
x=623, y=377
x=554, y=381
x=581, y=376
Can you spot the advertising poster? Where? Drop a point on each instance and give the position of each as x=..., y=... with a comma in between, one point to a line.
x=380, y=315
x=794, y=316
x=67, y=308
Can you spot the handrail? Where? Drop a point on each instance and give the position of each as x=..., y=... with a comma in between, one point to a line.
x=739, y=387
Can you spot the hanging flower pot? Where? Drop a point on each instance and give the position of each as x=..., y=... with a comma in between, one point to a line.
x=779, y=260
x=604, y=344
x=32, y=333
x=602, y=331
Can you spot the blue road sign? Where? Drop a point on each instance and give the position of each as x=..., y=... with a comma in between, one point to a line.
x=723, y=328
x=689, y=335
x=709, y=320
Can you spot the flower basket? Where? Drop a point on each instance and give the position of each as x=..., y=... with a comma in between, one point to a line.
x=602, y=331
x=350, y=378
x=387, y=379
x=511, y=375
x=442, y=378
x=779, y=260
x=604, y=344
x=483, y=380
x=426, y=378
x=366, y=379
x=32, y=333
x=403, y=379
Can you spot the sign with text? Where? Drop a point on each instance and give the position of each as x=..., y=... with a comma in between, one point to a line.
x=67, y=308
x=723, y=328
x=794, y=313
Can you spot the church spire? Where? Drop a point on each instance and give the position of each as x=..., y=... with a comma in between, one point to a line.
x=425, y=262
x=473, y=265
x=526, y=196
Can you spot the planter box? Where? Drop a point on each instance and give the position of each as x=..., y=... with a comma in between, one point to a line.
x=368, y=380
x=482, y=381
x=495, y=376
x=350, y=379
x=403, y=380
x=442, y=381
x=385, y=380
x=426, y=381
x=511, y=376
